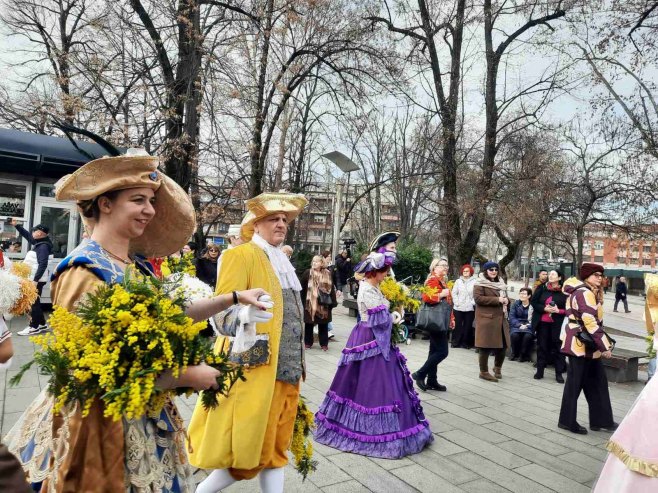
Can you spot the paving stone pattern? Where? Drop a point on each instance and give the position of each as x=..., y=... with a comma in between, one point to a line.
x=489, y=437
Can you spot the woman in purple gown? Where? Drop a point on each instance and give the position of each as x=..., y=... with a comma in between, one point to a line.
x=371, y=407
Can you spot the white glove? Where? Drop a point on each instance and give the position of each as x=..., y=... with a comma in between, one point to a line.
x=251, y=314
x=397, y=318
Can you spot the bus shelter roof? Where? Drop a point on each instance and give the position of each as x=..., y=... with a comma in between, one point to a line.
x=43, y=155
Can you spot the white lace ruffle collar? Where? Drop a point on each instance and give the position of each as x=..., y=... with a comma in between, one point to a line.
x=284, y=270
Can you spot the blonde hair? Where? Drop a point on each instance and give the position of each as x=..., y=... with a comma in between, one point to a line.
x=435, y=262
x=320, y=259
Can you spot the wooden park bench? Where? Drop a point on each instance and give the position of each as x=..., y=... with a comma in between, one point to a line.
x=622, y=367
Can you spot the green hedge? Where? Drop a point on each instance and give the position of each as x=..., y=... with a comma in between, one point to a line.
x=413, y=260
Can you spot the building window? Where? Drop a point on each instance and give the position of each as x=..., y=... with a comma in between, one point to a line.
x=598, y=245
x=12, y=200
x=621, y=260
x=646, y=248
x=319, y=219
x=598, y=258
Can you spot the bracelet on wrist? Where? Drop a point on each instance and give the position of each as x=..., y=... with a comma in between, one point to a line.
x=236, y=298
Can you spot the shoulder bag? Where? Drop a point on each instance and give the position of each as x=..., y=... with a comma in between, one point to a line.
x=434, y=317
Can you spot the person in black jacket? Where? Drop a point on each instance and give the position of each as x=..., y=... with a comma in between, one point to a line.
x=206, y=266
x=344, y=270
x=549, y=308
x=621, y=292
x=42, y=247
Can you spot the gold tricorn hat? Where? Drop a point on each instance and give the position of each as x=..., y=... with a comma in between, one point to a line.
x=174, y=220
x=266, y=204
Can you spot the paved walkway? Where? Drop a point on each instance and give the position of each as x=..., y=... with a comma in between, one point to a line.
x=490, y=437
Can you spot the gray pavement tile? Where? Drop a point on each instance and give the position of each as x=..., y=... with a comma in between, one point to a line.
x=551, y=479
x=585, y=461
x=483, y=486
x=347, y=487
x=485, y=449
x=503, y=416
x=437, y=424
x=29, y=379
x=430, y=410
x=425, y=481
x=324, y=450
x=468, y=414
x=559, y=464
x=499, y=475
x=488, y=432
x=448, y=469
x=389, y=464
x=9, y=420
x=327, y=472
x=444, y=447
x=368, y=473
x=597, y=452
x=17, y=399
x=519, y=435
x=464, y=402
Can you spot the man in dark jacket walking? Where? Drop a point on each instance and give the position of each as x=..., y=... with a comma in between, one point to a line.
x=344, y=271
x=42, y=247
x=621, y=292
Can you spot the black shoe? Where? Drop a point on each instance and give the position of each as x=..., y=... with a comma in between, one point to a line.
x=425, y=338
x=614, y=311
x=580, y=430
x=558, y=378
x=612, y=427
x=454, y=346
x=627, y=311
x=514, y=358
x=436, y=386
x=419, y=382
x=524, y=360
x=539, y=374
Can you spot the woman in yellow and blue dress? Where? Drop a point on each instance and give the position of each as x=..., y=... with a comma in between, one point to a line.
x=132, y=207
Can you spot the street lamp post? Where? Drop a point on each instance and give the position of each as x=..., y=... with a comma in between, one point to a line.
x=346, y=165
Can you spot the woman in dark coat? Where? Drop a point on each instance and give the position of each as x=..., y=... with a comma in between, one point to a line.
x=549, y=309
x=206, y=266
x=491, y=326
x=316, y=283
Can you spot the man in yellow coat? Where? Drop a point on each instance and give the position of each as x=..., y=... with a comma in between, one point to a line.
x=250, y=431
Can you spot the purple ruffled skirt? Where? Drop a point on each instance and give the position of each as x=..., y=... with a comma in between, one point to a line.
x=371, y=407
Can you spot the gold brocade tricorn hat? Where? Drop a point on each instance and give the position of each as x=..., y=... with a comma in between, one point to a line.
x=174, y=220
x=266, y=204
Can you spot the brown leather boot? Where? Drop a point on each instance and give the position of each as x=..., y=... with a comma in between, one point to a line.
x=497, y=372
x=485, y=375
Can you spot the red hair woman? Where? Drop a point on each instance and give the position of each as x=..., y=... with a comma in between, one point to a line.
x=464, y=308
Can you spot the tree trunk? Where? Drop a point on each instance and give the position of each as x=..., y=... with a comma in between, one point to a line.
x=457, y=253
x=257, y=164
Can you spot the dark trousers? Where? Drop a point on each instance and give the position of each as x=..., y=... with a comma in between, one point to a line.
x=548, y=347
x=36, y=314
x=323, y=334
x=464, y=333
x=438, y=352
x=587, y=375
x=522, y=344
x=624, y=301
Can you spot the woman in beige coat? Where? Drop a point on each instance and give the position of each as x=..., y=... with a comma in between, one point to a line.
x=491, y=326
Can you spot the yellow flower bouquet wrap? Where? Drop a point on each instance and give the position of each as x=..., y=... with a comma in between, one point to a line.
x=117, y=344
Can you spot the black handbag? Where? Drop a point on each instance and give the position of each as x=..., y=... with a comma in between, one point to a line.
x=324, y=299
x=434, y=317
